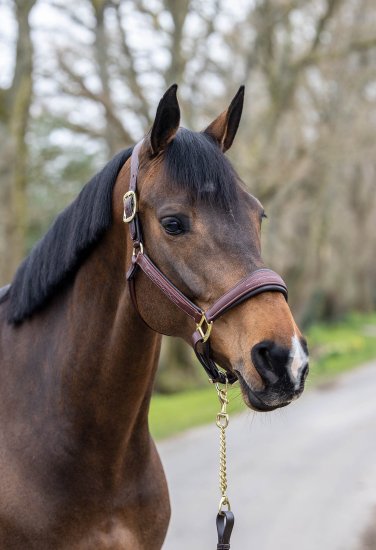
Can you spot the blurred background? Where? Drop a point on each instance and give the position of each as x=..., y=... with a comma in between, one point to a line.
x=81, y=80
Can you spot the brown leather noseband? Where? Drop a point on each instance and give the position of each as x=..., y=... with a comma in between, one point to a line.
x=261, y=280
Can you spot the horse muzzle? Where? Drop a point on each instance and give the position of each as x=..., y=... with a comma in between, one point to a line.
x=282, y=371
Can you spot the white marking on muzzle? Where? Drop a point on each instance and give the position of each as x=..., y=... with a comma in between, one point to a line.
x=298, y=357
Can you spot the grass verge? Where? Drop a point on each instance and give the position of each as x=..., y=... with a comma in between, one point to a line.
x=338, y=347
x=334, y=348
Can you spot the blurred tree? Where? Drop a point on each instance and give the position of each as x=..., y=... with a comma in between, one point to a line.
x=15, y=102
x=57, y=172
x=310, y=74
x=129, y=54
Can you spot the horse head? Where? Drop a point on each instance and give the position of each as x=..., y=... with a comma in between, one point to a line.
x=201, y=228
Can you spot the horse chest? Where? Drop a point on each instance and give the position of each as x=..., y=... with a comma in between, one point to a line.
x=113, y=533
x=41, y=516
x=138, y=529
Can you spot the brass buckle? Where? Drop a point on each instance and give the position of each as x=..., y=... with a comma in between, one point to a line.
x=204, y=335
x=137, y=249
x=132, y=195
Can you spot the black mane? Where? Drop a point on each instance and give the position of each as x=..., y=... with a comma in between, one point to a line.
x=195, y=162
x=58, y=255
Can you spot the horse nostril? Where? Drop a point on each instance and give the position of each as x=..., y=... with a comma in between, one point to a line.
x=303, y=372
x=270, y=360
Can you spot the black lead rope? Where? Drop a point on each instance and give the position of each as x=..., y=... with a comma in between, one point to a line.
x=225, y=524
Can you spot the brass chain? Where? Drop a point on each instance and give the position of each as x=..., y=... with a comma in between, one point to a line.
x=222, y=423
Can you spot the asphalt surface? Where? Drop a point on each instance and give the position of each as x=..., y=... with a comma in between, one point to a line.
x=300, y=478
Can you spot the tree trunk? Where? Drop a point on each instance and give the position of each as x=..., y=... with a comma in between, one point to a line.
x=14, y=173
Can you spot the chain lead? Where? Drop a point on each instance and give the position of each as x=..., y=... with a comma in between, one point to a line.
x=222, y=423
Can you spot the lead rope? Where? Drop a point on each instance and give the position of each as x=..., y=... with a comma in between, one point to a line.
x=225, y=518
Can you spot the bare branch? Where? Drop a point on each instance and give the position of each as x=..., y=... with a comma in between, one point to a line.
x=323, y=21
x=80, y=129
x=73, y=16
x=131, y=73
x=84, y=91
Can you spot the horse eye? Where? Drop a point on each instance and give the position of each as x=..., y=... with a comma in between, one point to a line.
x=172, y=226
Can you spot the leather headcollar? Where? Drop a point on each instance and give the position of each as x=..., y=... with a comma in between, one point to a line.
x=261, y=280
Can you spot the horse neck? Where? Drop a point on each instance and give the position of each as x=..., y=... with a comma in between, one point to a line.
x=76, y=378
x=110, y=369
x=84, y=366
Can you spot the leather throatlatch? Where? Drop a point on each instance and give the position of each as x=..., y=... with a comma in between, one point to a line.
x=261, y=280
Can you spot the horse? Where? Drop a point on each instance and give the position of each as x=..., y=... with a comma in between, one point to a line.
x=79, y=352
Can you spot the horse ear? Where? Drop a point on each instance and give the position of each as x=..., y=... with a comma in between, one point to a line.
x=166, y=122
x=223, y=129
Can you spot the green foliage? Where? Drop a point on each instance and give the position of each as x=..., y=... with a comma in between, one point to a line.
x=179, y=368
x=334, y=348
x=172, y=414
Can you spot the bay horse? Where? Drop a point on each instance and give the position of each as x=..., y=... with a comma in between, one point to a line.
x=79, y=469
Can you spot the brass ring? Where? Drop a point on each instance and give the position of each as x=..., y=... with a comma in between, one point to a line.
x=224, y=502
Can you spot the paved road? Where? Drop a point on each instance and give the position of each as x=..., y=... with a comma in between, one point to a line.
x=301, y=478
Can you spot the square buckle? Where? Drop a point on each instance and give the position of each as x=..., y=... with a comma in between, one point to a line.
x=130, y=195
x=199, y=327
